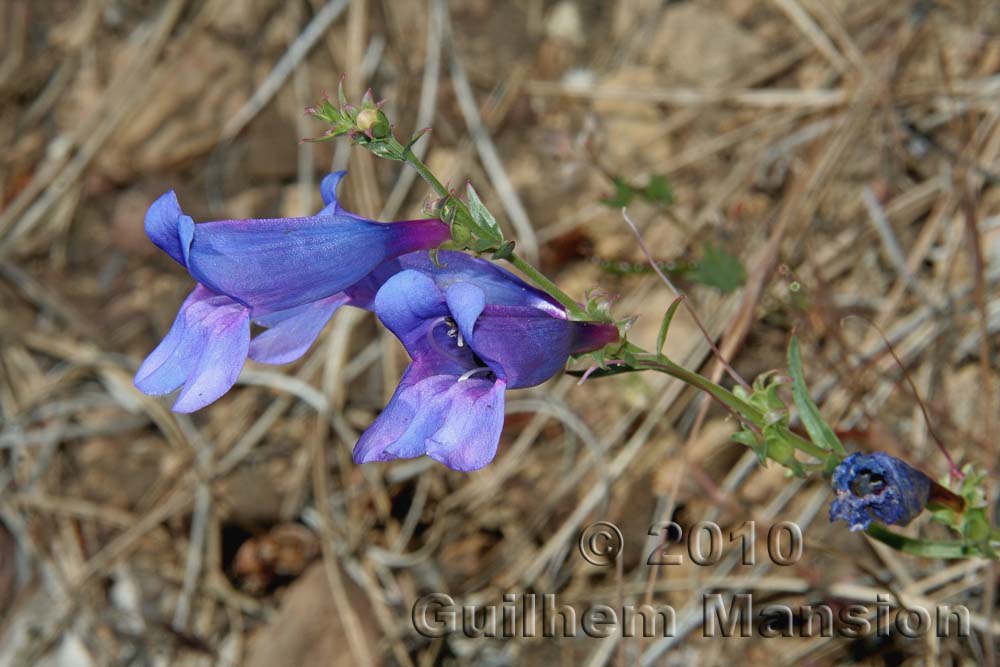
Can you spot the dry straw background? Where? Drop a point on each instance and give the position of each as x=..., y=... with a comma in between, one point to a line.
x=845, y=150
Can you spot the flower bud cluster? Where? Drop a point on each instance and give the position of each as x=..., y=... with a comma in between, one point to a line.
x=366, y=125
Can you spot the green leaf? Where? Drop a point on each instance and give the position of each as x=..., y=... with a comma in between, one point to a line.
x=718, y=269
x=819, y=431
x=668, y=317
x=658, y=190
x=622, y=196
x=487, y=225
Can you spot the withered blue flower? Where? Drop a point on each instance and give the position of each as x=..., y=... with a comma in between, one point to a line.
x=877, y=486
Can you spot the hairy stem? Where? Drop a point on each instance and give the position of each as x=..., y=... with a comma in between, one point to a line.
x=728, y=399
x=724, y=396
x=425, y=173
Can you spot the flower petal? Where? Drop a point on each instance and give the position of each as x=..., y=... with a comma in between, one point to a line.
x=362, y=293
x=501, y=287
x=455, y=422
x=877, y=486
x=331, y=205
x=412, y=307
x=469, y=437
x=168, y=228
x=328, y=189
x=406, y=420
x=466, y=302
x=276, y=264
x=204, y=351
x=406, y=303
x=524, y=345
x=169, y=364
x=527, y=346
x=293, y=331
x=222, y=357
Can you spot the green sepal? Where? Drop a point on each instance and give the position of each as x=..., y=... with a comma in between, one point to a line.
x=415, y=138
x=780, y=450
x=505, y=251
x=460, y=235
x=387, y=150
x=756, y=443
x=340, y=94
x=972, y=523
x=747, y=438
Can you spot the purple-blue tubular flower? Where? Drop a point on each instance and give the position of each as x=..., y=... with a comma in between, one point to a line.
x=275, y=264
x=289, y=275
x=473, y=331
x=877, y=486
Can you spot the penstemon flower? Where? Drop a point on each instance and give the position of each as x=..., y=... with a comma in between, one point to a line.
x=288, y=274
x=878, y=486
x=473, y=331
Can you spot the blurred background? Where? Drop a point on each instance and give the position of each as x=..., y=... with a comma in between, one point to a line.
x=790, y=163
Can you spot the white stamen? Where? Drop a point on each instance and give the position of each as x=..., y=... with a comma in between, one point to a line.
x=453, y=332
x=467, y=374
x=430, y=336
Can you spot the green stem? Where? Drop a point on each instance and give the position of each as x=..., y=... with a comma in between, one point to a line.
x=724, y=396
x=727, y=398
x=807, y=446
x=425, y=173
x=547, y=285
